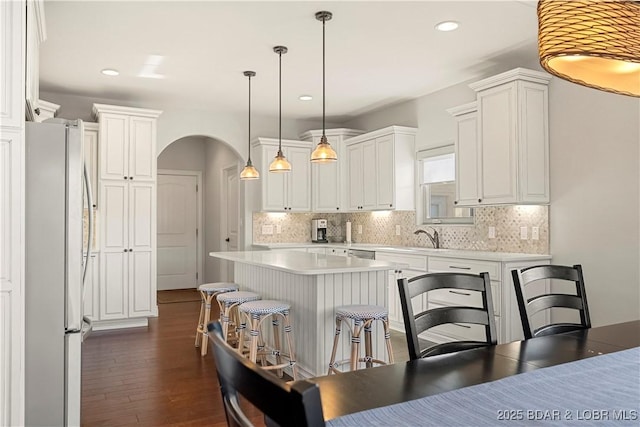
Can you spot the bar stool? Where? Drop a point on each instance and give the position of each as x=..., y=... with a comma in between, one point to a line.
x=258, y=311
x=227, y=302
x=362, y=316
x=207, y=292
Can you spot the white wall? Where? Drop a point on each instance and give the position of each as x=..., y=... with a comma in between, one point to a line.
x=217, y=156
x=184, y=154
x=594, y=164
x=595, y=185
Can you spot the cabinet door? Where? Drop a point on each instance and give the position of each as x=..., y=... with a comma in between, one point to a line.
x=113, y=136
x=299, y=179
x=273, y=184
x=355, y=176
x=142, y=292
x=142, y=150
x=467, y=160
x=369, y=176
x=91, y=157
x=385, y=197
x=114, y=280
x=498, y=118
x=326, y=190
x=142, y=216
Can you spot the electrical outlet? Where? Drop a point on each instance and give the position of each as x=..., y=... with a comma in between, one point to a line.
x=267, y=229
x=359, y=228
x=535, y=233
x=523, y=233
x=492, y=232
x=278, y=228
x=398, y=230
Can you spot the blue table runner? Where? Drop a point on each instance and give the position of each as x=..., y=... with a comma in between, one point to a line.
x=601, y=390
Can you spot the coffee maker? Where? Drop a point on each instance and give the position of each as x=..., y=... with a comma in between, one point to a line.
x=319, y=231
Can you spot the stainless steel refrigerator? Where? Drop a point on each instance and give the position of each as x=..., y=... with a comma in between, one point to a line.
x=57, y=193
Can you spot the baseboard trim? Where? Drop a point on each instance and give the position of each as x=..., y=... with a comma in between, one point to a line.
x=105, y=325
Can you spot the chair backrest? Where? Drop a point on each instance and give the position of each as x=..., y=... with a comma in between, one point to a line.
x=530, y=306
x=415, y=324
x=295, y=404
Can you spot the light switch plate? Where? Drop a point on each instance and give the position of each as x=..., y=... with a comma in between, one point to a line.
x=535, y=233
x=267, y=229
x=524, y=233
x=398, y=230
x=492, y=232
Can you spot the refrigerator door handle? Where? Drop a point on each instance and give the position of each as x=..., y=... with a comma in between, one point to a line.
x=87, y=185
x=86, y=330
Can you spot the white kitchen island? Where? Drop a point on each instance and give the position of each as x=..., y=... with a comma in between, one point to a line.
x=314, y=284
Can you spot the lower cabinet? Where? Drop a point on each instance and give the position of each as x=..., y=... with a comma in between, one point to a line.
x=338, y=251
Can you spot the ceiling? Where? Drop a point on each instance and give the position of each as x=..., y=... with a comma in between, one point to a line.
x=377, y=53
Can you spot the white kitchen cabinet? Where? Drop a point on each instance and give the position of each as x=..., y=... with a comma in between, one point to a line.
x=284, y=191
x=322, y=251
x=408, y=266
x=338, y=251
x=328, y=194
x=128, y=242
x=91, y=157
x=91, y=288
x=127, y=142
x=36, y=34
x=380, y=168
x=467, y=157
x=128, y=210
x=513, y=138
x=47, y=110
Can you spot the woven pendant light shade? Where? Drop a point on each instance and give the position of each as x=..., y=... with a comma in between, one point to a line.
x=592, y=43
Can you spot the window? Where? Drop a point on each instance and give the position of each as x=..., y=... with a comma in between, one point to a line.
x=437, y=188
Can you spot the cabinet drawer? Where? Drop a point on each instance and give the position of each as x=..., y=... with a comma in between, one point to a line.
x=467, y=298
x=413, y=262
x=458, y=265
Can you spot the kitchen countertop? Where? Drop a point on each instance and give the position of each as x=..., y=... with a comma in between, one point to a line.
x=304, y=263
x=449, y=253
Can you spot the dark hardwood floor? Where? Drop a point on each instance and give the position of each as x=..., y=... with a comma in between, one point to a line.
x=152, y=376
x=156, y=377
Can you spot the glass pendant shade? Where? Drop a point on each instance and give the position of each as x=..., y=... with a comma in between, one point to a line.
x=280, y=163
x=324, y=153
x=249, y=171
x=592, y=43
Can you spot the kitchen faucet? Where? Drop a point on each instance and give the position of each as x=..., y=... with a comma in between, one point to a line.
x=435, y=239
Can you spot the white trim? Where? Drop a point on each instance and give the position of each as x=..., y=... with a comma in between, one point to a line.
x=199, y=209
x=389, y=130
x=118, y=109
x=227, y=170
x=105, y=325
x=40, y=21
x=523, y=74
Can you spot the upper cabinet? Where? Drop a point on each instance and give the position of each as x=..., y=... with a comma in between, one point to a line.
x=284, y=191
x=127, y=142
x=36, y=34
x=380, y=170
x=91, y=157
x=47, y=110
x=512, y=147
x=327, y=192
x=467, y=157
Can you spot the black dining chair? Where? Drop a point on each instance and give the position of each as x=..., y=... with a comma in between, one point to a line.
x=283, y=404
x=416, y=324
x=532, y=304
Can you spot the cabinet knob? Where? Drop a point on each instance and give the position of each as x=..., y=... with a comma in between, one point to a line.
x=337, y=208
x=390, y=205
x=37, y=111
x=126, y=177
x=479, y=200
x=126, y=250
x=131, y=178
x=455, y=202
x=130, y=250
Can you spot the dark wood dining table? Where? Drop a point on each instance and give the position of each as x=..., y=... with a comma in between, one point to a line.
x=381, y=386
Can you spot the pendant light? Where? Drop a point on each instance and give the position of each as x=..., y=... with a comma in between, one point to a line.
x=592, y=43
x=323, y=153
x=280, y=163
x=249, y=172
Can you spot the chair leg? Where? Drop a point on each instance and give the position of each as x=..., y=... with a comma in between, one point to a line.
x=241, y=329
x=368, y=347
x=336, y=341
x=288, y=333
x=355, y=344
x=224, y=320
x=200, y=327
x=254, y=335
x=207, y=317
x=387, y=339
x=275, y=322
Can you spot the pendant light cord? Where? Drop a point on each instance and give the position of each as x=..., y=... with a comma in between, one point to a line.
x=249, y=136
x=323, y=77
x=280, y=103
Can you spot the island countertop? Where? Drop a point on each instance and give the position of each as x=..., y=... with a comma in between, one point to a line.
x=305, y=263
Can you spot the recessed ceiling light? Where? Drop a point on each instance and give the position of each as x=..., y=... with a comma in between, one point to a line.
x=110, y=72
x=447, y=26
x=305, y=97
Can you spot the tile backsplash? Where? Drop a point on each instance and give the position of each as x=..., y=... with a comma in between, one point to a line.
x=381, y=227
